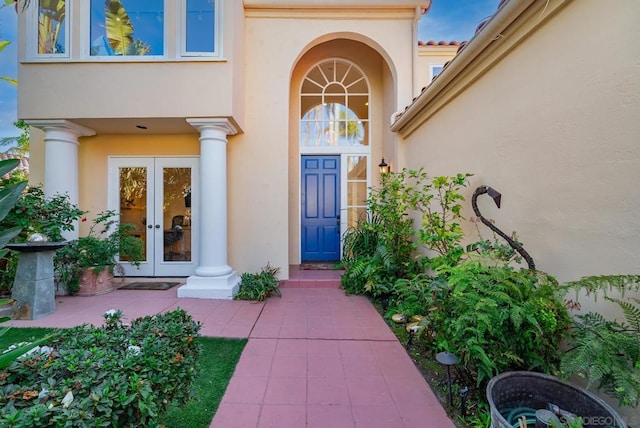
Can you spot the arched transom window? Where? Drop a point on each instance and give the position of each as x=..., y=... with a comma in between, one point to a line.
x=334, y=102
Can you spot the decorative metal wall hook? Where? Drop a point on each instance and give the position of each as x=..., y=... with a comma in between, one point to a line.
x=497, y=197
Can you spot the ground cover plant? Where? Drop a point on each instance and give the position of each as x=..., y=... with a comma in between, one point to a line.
x=216, y=365
x=114, y=375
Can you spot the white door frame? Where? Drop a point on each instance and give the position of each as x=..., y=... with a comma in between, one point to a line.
x=155, y=227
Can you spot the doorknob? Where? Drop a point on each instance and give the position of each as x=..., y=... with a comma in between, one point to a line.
x=157, y=226
x=150, y=226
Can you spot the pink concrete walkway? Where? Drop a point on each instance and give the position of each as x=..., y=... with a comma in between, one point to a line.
x=315, y=357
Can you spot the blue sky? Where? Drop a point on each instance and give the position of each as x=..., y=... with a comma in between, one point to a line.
x=447, y=20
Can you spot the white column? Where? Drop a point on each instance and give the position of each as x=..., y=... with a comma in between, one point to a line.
x=61, y=159
x=214, y=278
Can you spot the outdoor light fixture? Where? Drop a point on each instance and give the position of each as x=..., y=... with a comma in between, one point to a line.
x=463, y=401
x=448, y=359
x=384, y=168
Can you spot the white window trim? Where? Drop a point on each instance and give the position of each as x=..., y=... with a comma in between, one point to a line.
x=174, y=50
x=217, y=34
x=32, y=33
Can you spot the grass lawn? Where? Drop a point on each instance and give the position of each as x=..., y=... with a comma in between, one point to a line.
x=217, y=364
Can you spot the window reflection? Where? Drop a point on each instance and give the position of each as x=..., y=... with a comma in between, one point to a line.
x=331, y=124
x=127, y=27
x=133, y=201
x=52, y=27
x=334, y=101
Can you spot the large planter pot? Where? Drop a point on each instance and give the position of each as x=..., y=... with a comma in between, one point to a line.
x=522, y=393
x=94, y=284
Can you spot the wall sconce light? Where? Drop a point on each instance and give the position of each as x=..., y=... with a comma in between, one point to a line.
x=384, y=168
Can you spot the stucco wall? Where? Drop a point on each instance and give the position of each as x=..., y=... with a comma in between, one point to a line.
x=558, y=136
x=263, y=183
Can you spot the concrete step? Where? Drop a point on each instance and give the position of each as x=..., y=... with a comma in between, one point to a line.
x=310, y=283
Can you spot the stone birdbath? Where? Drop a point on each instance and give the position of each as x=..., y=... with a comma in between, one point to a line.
x=33, y=286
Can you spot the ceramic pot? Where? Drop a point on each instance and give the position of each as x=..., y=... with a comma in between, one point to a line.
x=95, y=284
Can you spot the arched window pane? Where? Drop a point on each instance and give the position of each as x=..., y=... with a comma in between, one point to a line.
x=333, y=114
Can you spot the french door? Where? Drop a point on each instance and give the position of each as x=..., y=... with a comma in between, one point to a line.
x=159, y=196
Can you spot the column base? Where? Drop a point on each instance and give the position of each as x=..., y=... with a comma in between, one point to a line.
x=211, y=287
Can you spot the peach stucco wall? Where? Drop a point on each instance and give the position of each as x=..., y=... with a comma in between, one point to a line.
x=559, y=138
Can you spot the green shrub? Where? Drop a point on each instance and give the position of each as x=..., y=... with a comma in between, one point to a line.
x=498, y=319
x=259, y=286
x=384, y=246
x=35, y=213
x=113, y=375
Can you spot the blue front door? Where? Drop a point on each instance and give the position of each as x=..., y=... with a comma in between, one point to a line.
x=320, y=208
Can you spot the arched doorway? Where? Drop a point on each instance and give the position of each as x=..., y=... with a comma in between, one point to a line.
x=335, y=152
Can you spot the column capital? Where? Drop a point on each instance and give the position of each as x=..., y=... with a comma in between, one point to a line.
x=61, y=125
x=213, y=122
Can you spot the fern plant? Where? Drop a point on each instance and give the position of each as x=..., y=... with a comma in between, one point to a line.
x=607, y=352
x=374, y=255
x=498, y=319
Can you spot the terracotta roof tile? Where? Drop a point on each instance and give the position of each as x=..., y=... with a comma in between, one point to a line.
x=440, y=43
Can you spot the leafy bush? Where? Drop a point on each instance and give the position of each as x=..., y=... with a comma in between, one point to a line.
x=498, y=319
x=383, y=247
x=439, y=202
x=35, y=213
x=104, y=376
x=259, y=286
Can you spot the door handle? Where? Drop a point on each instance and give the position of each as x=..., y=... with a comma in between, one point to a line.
x=157, y=226
x=150, y=226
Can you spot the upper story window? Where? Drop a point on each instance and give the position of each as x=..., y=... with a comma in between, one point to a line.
x=127, y=27
x=335, y=106
x=124, y=30
x=53, y=31
x=199, y=37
